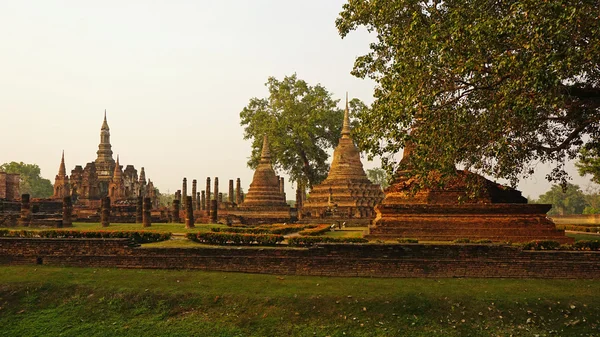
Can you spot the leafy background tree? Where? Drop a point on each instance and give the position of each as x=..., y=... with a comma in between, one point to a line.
x=589, y=163
x=570, y=200
x=495, y=87
x=31, y=182
x=302, y=123
x=379, y=176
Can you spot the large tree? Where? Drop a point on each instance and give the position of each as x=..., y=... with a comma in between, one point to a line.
x=302, y=123
x=564, y=200
x=31, y=182
x=494, y=86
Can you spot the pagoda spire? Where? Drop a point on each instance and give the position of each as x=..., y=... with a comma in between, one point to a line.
x=118, y=172
x=62, y=170
x=265, y=155
x=346, y=125
x=105, y=123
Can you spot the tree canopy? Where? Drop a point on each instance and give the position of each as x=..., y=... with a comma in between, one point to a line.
x=31, y=182
x=589, y=163
x=379, y=176
x=302, y=123
x=569, y=200
x=494, y=86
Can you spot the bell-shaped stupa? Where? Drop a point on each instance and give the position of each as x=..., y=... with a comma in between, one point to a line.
x=346, y=194
x=264, y=203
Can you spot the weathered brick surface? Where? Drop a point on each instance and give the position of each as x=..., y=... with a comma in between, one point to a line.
x=399, y=260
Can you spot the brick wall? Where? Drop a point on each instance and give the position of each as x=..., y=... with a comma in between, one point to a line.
x=398, y=260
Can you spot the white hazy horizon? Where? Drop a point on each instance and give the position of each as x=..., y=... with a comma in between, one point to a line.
x=173, y=77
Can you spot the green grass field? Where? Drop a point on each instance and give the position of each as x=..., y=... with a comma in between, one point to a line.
x=51, y=301
x=157, y=227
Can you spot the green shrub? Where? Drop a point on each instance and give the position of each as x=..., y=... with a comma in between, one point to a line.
x=586, y=245
x=407, y=240
x=303, y=241
x=267, y=229
x=216, y=238
x=318, y=230
x=462, y=240
x=483, y=241
x=137, y=237
x=580, y=228
x=541, y=245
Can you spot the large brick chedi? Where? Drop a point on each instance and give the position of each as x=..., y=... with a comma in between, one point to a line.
x=497, y=212
x=346, y=194
x=264, y=202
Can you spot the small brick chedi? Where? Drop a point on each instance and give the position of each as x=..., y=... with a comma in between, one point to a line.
x=264, y=202
x=346, y=194
x=101, y=177
x=497, y=213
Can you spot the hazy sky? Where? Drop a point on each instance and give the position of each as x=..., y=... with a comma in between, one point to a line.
x=172, y=75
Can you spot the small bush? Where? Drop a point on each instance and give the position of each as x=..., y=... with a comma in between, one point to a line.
x=269, y=229
x=483, y=241
x=137, y=237
x=236, y=238
x=462, y=240
x=319, y=230
x=541, y=245
x=407, y=240
x=304, y=241
x=586, y=245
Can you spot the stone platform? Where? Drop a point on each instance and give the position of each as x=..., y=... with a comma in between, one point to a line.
x=447, y=222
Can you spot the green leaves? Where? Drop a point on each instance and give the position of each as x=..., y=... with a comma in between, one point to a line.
x=301, y=121
x=32, y=182
x=494, y=87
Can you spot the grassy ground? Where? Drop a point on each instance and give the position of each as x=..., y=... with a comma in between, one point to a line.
x=583, y=236
x=157, y=227
x=50, y=301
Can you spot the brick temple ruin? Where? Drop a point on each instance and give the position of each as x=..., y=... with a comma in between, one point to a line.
x=346, y=195
x=497, y=213
x=102, y=177
x=265, y=202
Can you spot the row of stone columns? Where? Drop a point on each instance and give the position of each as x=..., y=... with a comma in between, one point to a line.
x=202, y=200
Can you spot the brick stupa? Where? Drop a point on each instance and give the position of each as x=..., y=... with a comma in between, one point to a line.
x=346, y=194
x=497, y=213
x=264, y=203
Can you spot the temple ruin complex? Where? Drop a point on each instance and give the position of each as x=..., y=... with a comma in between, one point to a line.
x=102, y=177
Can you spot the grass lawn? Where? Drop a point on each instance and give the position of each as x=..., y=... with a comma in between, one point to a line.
x=348, y=232
x=52, y=301
x=581, y=236
x=156, y=227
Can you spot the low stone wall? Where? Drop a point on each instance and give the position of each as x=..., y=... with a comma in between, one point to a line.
x=396, y=260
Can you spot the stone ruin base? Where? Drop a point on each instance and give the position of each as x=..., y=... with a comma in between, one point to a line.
x=349, y=222
x=448, y=222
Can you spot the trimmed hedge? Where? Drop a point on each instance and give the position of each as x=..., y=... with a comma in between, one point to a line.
x=319, y=230
x=215, y=238
x=580, y=228
x=270, y=229
x=278, y=229
x=304, y=241
x=137, y=237
x=541, y=245
x=407, y=240
x=585, y=245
